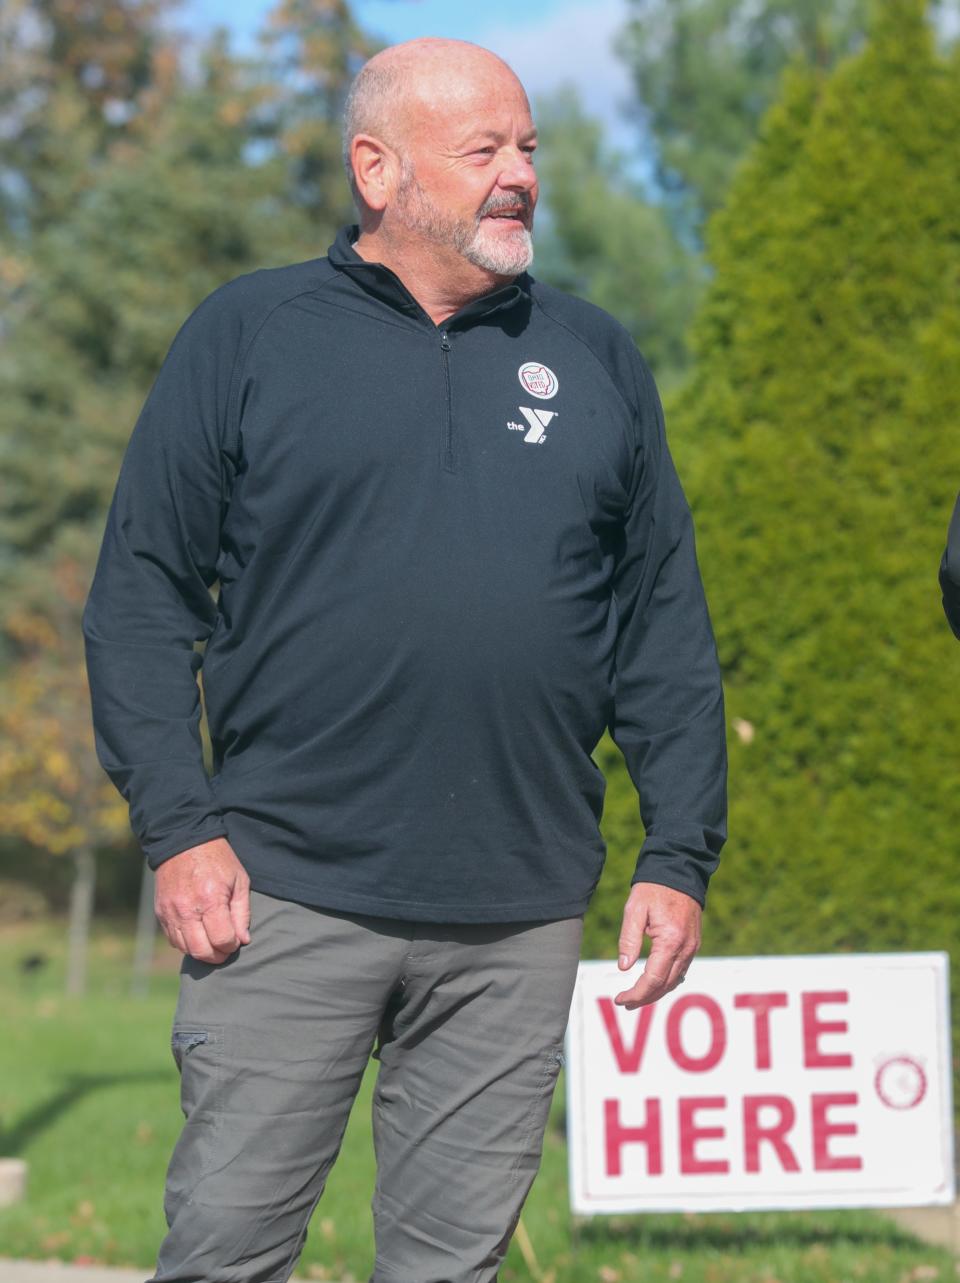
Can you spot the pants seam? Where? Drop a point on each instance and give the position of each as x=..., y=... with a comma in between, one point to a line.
x=378, y=1107
x=531, y=1118
x=299, y=1241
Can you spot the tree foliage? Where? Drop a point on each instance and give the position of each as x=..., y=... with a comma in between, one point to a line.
x=52, y=790
x=602, y=239
x=705, y=71
x=73, y=77
x=174, y=205
x=312, y=50
x=818, y=440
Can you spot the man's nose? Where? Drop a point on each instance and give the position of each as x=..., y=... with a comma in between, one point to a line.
x=518, y=172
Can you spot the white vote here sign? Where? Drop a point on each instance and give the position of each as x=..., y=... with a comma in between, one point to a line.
x=776, y=1082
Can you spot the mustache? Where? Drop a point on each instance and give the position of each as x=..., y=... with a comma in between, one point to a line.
x=520, y=200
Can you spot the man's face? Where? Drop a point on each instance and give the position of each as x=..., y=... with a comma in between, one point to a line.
x=467, y=181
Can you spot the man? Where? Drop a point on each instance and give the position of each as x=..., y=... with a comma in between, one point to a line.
x=451, y=549
x=950, y=572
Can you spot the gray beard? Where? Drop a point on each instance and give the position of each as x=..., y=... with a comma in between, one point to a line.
x=504, y=257
x=508, y=259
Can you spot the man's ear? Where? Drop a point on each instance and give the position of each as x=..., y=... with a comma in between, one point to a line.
x=374, y=170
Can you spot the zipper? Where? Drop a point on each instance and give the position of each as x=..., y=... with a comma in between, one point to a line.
x=447, y=442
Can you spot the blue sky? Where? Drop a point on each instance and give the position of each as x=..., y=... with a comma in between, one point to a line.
x=547, y=42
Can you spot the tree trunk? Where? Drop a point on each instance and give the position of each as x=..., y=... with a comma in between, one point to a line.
x=81, y=914
x=146, y=935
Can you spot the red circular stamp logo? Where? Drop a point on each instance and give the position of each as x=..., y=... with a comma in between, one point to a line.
x=538, y=380
x=901, y=1082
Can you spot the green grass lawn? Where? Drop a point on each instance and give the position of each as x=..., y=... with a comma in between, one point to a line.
x=88, y=1095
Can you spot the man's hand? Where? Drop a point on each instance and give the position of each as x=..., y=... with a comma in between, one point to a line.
x=672, y=921
x=202, y=900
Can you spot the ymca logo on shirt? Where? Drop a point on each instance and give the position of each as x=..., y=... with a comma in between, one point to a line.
x=540, y=381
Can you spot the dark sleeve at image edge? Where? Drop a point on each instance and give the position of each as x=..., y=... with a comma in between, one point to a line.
x=950, y=572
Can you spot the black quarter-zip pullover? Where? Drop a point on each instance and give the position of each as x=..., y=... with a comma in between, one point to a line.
x=448, y=557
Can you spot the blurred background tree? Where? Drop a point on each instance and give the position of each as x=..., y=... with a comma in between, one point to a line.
x=72, y=79
x=824, y=411
x=313, y=48
x=817, y=436
x=705, y=72
x=51, y=787
x=604, y=239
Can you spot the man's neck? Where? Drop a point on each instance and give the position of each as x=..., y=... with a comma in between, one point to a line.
x=441, y=280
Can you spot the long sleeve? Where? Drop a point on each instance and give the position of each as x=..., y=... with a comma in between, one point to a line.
x=950, y=572
x=668, y=717
x=150, y=597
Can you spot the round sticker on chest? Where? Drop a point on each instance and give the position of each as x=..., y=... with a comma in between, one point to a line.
x=538, y=380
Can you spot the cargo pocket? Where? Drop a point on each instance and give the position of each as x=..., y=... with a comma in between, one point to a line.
x=198, y=1054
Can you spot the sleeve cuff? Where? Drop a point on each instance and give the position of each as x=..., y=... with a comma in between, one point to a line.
x=160, y=853
x=666, y=874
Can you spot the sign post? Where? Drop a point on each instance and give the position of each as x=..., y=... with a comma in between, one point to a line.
x=763, y=1083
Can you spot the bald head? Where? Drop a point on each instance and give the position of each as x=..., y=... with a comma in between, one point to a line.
x=438, y=145
x=402, y=88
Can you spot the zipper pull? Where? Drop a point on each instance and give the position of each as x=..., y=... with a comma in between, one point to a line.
x=444, y=341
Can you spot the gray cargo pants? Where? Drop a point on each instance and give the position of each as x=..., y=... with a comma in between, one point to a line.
x=272, y=1044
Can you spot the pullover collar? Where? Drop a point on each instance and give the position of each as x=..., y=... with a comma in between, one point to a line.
x=384, y=284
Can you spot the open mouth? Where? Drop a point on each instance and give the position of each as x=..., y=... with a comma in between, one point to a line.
x=509, y=217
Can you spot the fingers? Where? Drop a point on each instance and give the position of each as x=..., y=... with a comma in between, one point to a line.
x=220, y=929
x=240, y=910
x=191, y=937
x=671, y=919
x=198, y=942
x=174, y=937
x=654, y=981
x=631, y=936
x=202, y=901
x=208, y=936
x=662, y=974
x=173, y=933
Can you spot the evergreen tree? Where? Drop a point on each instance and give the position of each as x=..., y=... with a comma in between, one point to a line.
x=600, y=237
x=818, y=441
x=313, y=49
x=705, y=71
x=73, y=79
x=98, y=297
